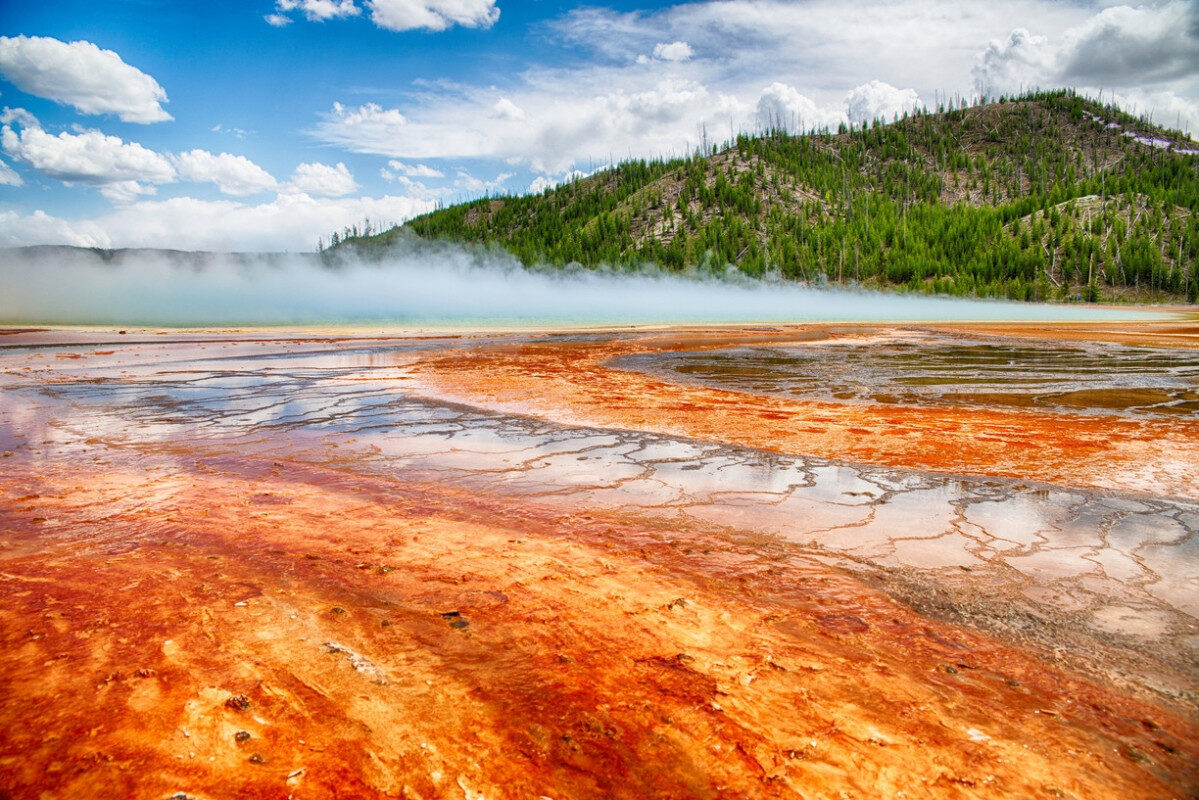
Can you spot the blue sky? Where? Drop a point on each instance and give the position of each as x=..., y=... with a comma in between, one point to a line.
x=264, y=124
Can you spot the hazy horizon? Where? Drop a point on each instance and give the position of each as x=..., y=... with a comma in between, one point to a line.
x=444, y=284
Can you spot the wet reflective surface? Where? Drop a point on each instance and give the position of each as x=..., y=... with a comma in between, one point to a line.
x=922, y=368
x=370, y=548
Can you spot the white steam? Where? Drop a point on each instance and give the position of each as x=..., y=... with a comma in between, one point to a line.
x=422, y=285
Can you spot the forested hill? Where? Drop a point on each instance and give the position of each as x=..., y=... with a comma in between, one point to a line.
x=1047, y=196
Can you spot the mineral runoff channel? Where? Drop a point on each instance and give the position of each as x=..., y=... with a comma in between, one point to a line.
x=811, y=561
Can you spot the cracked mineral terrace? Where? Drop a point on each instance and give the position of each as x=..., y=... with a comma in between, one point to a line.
x=811, y=561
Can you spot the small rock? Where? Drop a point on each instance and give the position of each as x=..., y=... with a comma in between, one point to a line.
x=338, y=610
x=238, y=702
x=257, y=759
x=455, y=619
x=242, y=736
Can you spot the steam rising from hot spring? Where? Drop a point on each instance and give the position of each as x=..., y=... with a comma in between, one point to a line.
x=419, y=284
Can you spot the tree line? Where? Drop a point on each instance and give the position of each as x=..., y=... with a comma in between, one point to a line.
x=1046, y=196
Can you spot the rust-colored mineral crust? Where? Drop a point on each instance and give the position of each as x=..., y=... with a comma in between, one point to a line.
x=269, y=569
x=568, y=382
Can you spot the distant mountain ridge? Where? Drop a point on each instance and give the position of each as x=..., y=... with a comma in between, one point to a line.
x=1047, y=196
x=197, y=259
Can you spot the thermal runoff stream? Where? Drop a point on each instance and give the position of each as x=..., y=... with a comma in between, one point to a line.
x=817, y=560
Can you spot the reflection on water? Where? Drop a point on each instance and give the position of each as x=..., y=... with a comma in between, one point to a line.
x=1120, y=563
x=1119, y=566
x=939, y=369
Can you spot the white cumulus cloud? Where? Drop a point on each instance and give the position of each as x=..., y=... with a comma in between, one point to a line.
x=822, y=47
x=9, y=176
x=82, y=75
x=1143, y=49
x=783, y=106
x=1022, y=61
x=807, y=54
x=395, y=15
x=433, y=15
x=559, y=130
x=18, y=230
x=822, y=62
x=323, y=180
x=370, y=128
x=540, y=184
x=415, y=188
x=878, y=100
x=315, y=10
x=469, y=183
x=233, y=175
x=124, y=171
x=1134, y=46
x=414, y=170
x=89, y=157
x=674, y=51
x=126, y=191
x=506, y=109
x=543, y=182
